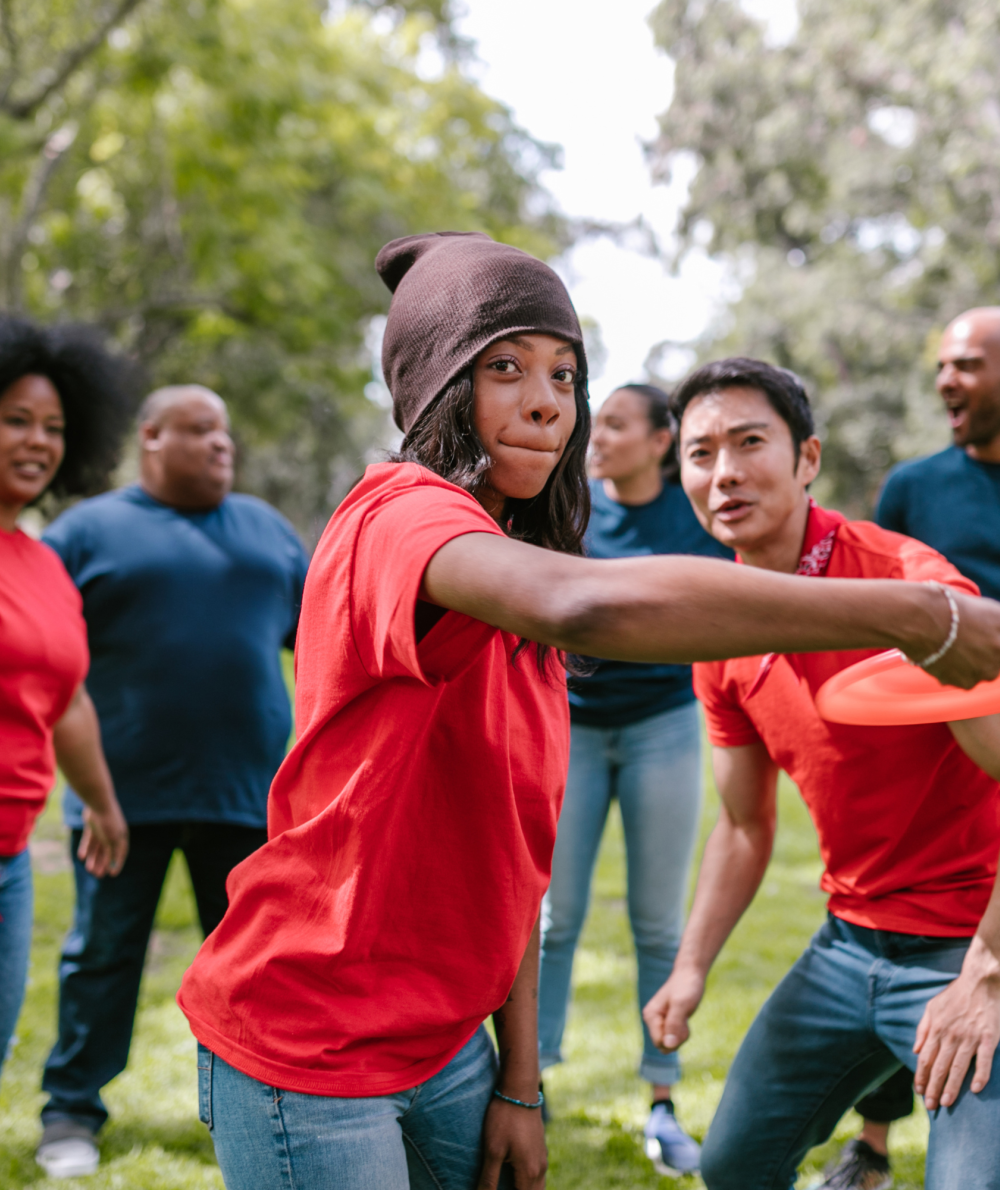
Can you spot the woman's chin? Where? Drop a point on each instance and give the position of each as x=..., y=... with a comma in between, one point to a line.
x=524, y=485
x=523, y=491
x=20, y=493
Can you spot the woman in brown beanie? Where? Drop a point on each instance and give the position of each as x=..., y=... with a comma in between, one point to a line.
x=339, y=1006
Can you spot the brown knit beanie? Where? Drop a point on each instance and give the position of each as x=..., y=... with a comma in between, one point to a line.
x=455, y=293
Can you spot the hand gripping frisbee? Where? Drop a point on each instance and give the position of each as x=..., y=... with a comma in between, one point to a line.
x=887, y=691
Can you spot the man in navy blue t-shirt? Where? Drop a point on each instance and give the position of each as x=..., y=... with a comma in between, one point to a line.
x=190, y=594
x=951, y=501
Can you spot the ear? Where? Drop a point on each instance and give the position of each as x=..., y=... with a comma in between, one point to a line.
x=662, y=439
x=149, y=437
x=808, y=467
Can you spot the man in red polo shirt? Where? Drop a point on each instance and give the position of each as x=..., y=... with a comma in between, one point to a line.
x=906, y=970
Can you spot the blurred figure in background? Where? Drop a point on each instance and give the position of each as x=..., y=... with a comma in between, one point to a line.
x=63, y=407
x=189, y=594
x=635, y=735
x=951, y=501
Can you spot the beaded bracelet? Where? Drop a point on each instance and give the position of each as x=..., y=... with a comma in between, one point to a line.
x=520, y=1102
x=952, y=631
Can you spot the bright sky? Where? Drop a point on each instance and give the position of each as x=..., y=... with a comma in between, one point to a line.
x=587, y=76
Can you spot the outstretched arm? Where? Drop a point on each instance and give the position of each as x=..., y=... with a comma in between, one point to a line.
x=77, y=739
x=681, y=609
x=736, y=856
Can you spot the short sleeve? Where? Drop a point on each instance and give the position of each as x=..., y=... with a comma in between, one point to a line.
x=728, y=725
x=890, y=512
x=64, y=536
x=397, y=539
x=922, y=564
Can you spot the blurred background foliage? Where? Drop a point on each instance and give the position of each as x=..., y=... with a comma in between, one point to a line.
x=210, y=180
x=851, y=179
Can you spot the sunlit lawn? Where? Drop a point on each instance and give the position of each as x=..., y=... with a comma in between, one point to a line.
x=600, y=1106
x=155, y=1142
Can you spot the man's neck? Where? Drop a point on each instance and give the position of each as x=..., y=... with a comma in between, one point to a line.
x=783, y=550
x=182, y=502
x=642, y=488
x=988, y=452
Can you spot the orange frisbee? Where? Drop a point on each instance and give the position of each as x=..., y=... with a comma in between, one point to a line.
x=886, y=691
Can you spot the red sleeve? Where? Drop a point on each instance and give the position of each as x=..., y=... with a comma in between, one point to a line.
x=397, y=539
x=727, y=723
x=921, y=564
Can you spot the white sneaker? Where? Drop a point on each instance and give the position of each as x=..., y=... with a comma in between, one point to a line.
x=72, y=1157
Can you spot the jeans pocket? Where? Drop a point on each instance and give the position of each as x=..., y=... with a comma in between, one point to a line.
x=206, y=1060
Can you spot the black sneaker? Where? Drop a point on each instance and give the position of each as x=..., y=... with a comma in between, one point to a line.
x=859, y=1168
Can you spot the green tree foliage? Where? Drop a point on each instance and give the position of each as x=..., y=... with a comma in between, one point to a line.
x=851, y=179
x=211, y=180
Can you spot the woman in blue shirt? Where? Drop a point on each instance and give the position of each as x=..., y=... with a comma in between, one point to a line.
x=635, y=736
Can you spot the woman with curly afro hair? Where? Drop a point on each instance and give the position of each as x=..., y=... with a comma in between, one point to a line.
x=64, y=404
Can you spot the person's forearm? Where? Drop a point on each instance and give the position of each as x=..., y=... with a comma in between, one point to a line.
x=982, y=960
x=988, y=931
x=516, y=1026
x=683, y=609
x=77, y=740
x=698, y=609
x=733, y=865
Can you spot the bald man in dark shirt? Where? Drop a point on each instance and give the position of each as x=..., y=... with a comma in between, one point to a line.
x=189, y=593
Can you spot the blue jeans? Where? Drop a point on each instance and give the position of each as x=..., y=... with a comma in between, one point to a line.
x=104, y=952
x=841, y=1020
x=16, y=904
x=427, y=1138
x=654, y=769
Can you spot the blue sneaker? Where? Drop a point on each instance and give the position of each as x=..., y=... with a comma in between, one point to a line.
x=668, y=1146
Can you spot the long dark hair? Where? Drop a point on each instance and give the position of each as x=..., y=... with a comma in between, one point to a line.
x=660, y=418
x=445, y=441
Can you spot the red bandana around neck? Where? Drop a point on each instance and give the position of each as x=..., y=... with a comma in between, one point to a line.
x=817, y=546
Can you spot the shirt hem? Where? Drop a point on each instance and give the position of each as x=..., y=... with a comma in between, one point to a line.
x=899, y=923
x=14, y=844
x=335, y=1086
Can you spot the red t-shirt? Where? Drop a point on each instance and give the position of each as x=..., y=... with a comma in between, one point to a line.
x=411, y=826
x=909, y=827
x=43, y=659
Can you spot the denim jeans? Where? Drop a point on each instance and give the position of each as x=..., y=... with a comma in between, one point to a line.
x=15, y=940
x=104, y=952
x=427, y=1138
x=840, y=1021
x=654, y=769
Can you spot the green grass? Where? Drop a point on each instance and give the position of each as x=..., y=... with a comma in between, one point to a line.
x=155, y=1142
x=600, y=1105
